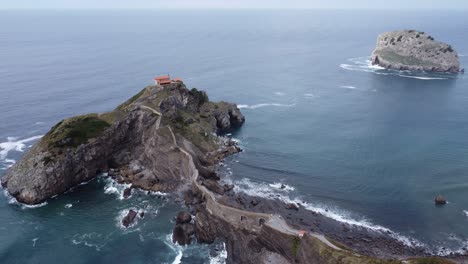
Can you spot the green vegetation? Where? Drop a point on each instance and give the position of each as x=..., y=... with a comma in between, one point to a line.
x=200, y=96
x=295, y=245
x=131, y=100
x=75, y=131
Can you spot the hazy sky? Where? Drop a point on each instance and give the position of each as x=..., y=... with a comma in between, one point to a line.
x=453, y=4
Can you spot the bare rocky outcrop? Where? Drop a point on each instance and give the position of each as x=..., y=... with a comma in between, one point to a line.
x=415, y=51
x=138, y=137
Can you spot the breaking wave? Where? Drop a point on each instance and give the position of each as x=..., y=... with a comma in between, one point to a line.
x=113, y=187
x=13, y=144
x=364, y=64
x=465, y=212
x=176, y=248
x=269, y=191
x=221, y=257
x=12, y=200
x=255, y=106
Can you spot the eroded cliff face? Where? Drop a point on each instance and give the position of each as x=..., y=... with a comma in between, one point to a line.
x=415, y=51
x=138, y=137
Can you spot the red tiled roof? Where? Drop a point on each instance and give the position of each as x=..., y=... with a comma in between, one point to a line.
x=162, y=78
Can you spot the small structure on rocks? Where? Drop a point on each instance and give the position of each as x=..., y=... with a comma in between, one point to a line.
x=166, y=79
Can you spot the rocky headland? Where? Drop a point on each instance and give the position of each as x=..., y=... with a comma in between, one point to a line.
x=414, y=51
x=167, y=138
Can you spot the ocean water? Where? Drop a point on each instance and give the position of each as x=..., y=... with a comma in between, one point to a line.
x=358, y=143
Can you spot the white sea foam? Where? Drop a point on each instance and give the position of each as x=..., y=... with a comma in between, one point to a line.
x=465, y=212
x=68, y=205
x=93, y=239
x=280, y=93
x=309, y=95
x=348, y=87
x=28, y=206
x=255, y=106
x=12, y=144
x=221, y=257
x=176, y=248
x=266, y=191
x=364, y=64
x=12, y=200
x=282, y=186
x=422, y=78
x=113, y=187
x=34, y=240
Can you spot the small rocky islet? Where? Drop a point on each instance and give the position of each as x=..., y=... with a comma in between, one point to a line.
x=167, y=138
x=414, y=50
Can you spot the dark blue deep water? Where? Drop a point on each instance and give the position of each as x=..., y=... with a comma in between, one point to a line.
x=374, y=147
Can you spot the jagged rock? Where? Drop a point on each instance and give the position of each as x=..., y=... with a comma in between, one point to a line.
x=213, y=186
x=228, y=187
x=133, y=137
x=416, y=51
x=112, y=173
x=182, y=234
x=127, y=192
x=254, y=202
x=440, y=200
x=142, y=214
x=292, y=206
x=129, y=218
x=183, y=218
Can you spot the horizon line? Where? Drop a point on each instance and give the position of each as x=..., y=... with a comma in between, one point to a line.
x=236, y=8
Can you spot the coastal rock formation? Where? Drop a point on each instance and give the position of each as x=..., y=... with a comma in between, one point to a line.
x=139, y=137
x=129, y=218
x=184, y=229
x=164, y=139
x=415, y=51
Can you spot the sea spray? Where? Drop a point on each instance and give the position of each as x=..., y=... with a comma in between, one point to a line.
x=12, y=144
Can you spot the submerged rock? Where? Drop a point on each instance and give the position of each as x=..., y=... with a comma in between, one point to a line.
x=440, y=200
x=415, y=51
x=127, y=192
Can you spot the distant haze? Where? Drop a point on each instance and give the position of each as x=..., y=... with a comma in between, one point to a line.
x=351, y=4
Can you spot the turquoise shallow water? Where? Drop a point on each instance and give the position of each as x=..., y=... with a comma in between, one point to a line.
x=372, y=146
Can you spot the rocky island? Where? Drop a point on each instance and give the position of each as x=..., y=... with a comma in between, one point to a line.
x=414, y=51
x=169, y=138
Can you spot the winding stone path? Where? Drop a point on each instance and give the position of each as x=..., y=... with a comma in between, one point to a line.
x=241, y=218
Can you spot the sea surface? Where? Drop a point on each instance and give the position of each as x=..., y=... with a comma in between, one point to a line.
x=357, y=143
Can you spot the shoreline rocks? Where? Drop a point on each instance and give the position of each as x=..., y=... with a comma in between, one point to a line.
x=414, y=51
